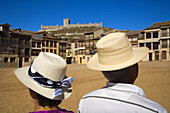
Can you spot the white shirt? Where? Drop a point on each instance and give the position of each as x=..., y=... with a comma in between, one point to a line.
x=118, y=98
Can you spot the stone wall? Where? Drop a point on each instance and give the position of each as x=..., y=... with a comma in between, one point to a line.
x=50, y=27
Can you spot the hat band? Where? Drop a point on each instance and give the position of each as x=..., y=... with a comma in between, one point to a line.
x=115, y=56
x=45, y=82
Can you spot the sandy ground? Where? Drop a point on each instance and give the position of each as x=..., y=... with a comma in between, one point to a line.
x=154, y=79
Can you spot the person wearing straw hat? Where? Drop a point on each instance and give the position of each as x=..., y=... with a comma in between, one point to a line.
x=118, y=62
x=47, y=82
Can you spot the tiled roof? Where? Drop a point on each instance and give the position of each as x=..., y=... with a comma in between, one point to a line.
x=34, y=35
x=158, y=25
x=132, y=33
x=48, y=36
x=5, y=24
x=62, y=41
x=13, y=31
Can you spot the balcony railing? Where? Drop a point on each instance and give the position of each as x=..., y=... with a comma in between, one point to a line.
x=164, y=34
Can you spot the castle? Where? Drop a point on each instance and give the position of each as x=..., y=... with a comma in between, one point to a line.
x=68, y=25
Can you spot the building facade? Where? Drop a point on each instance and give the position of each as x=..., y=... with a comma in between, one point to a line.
x=156, y=38
x=15, y=47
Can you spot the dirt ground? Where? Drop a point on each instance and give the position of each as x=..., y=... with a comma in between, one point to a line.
x=154, y=79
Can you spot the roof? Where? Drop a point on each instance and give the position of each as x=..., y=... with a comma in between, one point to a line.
x=134, y=33
x=5, y=24
x=62, y=41
x=48, y=36
x=158, y=25
x=34, y=36
x=14, y=31
x=30, y=31
x=81, y=39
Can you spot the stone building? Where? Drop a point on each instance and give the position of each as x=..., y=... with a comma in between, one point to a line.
x=15, y=47
x=83, y=49
x=133, y=37
x=156, y=38
x=36, y=43
x=62, y=49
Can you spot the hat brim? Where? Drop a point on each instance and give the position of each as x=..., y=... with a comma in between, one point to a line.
x=22, y=75
x=139, y=54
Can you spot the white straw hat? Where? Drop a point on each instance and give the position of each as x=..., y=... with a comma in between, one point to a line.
x=115, y=52
x=46, y=76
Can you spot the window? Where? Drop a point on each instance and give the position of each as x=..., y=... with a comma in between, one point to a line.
x=55, y=44
x=91, y=44
x=91, y=52
x=148, y=35
x=155, y=45
x=43, y=43
x=164, y=32
x=87, y=44
x=1, y=28
x=13, y=41
x=5, y=59
x=148, y=45
x=68, y=53
x=75, y=45
x=135, y=39
x=76, y=52
x=12, y=59
x=34, y=52
x=51, y=44
x=87, y=51
x=141, y=44
x=83, y=57
x=47, y=43
x=55, y=51
x=26, y=60
x=33, y=44
x=39, y=44
x=155, y=34
x=164, y=43
x=129, y=39
x=26, y=51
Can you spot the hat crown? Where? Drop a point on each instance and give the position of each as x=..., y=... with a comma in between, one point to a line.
x=114, y=48
x=50, y=66
x=113, y=42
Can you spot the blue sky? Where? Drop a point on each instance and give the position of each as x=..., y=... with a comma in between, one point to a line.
x=118, y=14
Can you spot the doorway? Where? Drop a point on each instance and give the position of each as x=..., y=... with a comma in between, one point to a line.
x=150, y=56
x=80, y=60
x=20, y=62
x=163, y=55
x=156, y=55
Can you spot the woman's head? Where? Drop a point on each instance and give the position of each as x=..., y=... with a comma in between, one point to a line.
x=43, y=101
x=46, y=76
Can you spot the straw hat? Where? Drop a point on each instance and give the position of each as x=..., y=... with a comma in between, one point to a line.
x=115, y=52
x=46, y=76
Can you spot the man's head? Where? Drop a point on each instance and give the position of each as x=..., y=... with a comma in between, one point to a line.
x=116, y=58
x=126, y=75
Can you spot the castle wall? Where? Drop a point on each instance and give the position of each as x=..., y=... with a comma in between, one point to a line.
x=68, y=25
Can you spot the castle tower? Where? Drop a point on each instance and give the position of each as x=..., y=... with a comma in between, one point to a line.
x=66, y=22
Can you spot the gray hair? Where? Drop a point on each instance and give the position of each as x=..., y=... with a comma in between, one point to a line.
x=116, y=75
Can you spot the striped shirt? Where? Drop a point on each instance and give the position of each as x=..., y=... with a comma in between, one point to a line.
x=118, y=98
